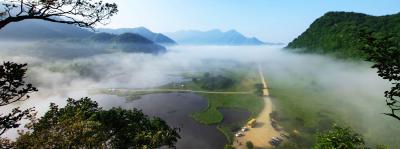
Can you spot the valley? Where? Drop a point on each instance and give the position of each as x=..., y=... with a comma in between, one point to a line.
x=199, y=74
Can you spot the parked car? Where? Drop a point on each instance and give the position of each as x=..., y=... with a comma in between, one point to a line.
x=274, y=142
x=244, y=129
x=239, y=134
x=285, y=135
x=279, y=138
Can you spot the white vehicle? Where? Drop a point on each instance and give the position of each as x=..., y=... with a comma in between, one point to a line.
x=244, y=129
x=239, y=134
x=278, y=139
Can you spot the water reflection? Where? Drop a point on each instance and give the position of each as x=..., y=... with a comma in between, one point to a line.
x=175, y=108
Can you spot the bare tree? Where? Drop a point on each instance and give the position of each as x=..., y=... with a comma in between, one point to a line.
x=83, y=13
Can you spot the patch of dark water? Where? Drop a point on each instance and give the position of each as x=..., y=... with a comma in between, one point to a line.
x=175, y=109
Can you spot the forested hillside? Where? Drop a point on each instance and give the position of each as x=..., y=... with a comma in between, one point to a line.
x=155, y=37
x=338, y=33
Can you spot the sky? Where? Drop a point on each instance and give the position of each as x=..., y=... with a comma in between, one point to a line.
x=268, y=20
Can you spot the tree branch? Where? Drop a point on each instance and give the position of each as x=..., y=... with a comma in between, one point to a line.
x=83, y=13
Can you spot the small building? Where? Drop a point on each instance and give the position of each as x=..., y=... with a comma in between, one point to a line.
x=251, y=123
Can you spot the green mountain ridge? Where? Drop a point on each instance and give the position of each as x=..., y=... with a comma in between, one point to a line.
x=155, y=37
x=128, y=42
x=337, y=33
x=50, y=34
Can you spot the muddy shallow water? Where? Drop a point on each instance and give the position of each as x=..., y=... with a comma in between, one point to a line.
x=175, y=109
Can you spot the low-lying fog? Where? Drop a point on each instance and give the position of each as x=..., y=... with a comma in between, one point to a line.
x=58, y=76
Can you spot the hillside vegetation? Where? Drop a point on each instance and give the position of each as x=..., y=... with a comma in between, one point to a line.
x=338, y=33
x=48, y=37
x=210, y=82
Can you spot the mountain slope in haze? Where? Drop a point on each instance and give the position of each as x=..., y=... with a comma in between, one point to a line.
x=213, y=37
x=39, y=29
x=128, y=42
x=338, y=33
x=48, y=35
x=155, y=37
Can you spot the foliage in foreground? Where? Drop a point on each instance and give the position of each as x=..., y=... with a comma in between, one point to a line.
x=249, y=145
x=339, y=138
x=384, y=51
x=83, y=124
x=14, y=89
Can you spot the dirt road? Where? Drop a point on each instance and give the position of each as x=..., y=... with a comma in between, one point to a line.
x=263, y=131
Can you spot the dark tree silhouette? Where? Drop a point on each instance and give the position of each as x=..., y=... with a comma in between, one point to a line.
x=384, y=51
x=84, y=13
x=13, y=89
x=83, y=124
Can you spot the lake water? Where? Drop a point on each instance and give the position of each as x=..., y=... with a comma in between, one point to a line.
x=175, y=109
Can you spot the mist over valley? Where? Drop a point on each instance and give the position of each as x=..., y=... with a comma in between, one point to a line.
x=199, y=74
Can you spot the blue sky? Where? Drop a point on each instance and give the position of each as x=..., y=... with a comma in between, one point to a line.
x=268, y=20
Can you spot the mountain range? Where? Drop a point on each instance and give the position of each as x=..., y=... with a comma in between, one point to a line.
x=49, y=35
x=128, y=42
x=338, y=33
x=213, y=37
x=155, y=37
x=49, y=32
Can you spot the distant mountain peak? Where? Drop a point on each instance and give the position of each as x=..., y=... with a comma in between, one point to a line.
x=143, y=31
x=232, y=31
x=132, y=38
x=127, y=42
x=213, y=37
x=213, y=31
x=142, y=28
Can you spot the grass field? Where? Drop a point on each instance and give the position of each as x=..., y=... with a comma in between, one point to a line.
x=127, y=94
x=211, y=115
x=245, y=80
x=305, y=105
